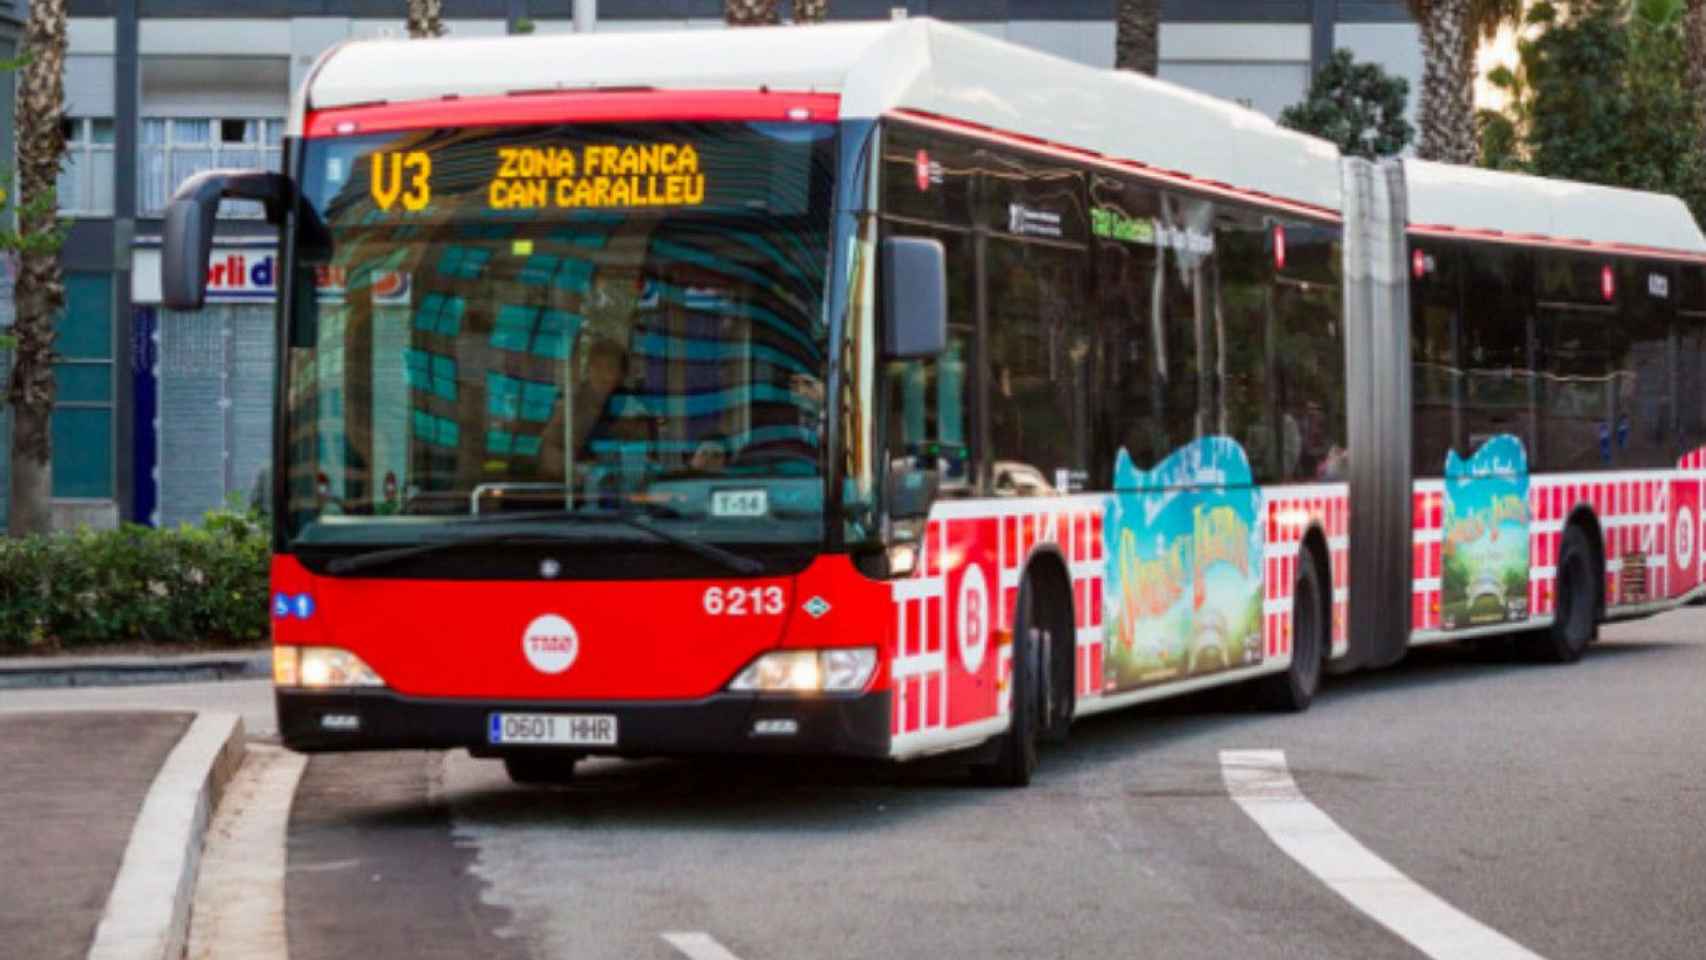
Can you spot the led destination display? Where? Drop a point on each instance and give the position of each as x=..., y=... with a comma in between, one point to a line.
x=647, y=175
x=495, y=172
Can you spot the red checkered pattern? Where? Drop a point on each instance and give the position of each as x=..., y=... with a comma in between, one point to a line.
x=1291, y=513
x=919, y=667
x=1010, y=532
x=1634, y=512
x=1077, y=533
x=1427, y=519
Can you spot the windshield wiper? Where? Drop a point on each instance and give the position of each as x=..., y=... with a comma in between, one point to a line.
x=712, y=552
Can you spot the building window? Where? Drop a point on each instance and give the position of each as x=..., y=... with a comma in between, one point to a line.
x=86, y=178
x=83, y=410
x=176, y=148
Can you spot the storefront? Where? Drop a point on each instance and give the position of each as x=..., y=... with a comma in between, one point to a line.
x=203, y=385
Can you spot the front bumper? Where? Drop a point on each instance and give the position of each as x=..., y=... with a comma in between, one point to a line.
x=321, y=722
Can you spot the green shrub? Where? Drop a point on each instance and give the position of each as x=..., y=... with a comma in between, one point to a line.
x=197, y=585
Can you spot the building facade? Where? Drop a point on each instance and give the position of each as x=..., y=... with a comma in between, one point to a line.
x=162, y=416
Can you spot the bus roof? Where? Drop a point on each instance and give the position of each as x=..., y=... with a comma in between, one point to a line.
x=1481, y=203
x=919, y=65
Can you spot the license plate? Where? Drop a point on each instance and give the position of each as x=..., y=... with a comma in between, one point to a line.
x=553, y=729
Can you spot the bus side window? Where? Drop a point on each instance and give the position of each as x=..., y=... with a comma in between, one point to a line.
x=1643, y=429
x=1575, y=378
x=1573, y=340
x=1246, y=312
x=1499, y=377
x=1126, y=397
x=1309, y=360
x=1436, y=377
x=1039, y=350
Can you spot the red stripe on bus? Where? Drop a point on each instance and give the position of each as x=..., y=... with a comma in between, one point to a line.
x=575, y=107
x=1175, y=177
x=1445, y=232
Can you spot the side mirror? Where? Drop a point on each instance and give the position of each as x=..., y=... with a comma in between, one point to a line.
x=187, y=240
x=915, y=298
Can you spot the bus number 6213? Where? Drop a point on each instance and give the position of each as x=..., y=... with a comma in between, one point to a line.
x=743, y=601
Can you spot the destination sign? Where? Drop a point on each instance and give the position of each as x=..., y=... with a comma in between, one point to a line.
x=565, y=170
x=597, y=176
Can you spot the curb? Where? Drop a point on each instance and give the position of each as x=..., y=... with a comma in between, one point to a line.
x=148, y=912
x=131, y=670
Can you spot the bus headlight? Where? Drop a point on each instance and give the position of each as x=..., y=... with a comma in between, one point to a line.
x=841, y=670
x=321, y=667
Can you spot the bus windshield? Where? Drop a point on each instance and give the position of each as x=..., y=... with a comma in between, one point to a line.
x=617, y=318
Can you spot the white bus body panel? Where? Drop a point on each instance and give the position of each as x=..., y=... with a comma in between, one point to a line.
x=876, y=68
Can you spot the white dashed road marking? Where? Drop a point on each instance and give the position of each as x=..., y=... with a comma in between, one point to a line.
x=699, y=946
x=1261, y=784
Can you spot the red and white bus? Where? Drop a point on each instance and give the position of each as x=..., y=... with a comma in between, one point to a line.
x=886, y=390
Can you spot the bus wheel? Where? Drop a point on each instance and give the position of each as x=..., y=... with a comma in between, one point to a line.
x=1015, y=752
x=1292, y=690
x=540, y=769
x=1575, y=621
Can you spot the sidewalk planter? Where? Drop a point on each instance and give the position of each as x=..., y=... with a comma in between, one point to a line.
x=204, y=585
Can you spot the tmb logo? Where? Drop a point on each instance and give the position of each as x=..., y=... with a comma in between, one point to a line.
x=550, y=643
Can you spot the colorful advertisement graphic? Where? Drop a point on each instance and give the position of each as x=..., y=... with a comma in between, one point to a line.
x=1484, y=557
x=1184, y=549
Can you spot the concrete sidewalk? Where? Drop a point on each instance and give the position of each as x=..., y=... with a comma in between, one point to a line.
x=102, y=819
x=127, y=670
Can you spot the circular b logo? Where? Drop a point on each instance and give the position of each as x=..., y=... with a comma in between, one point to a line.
x=973, y=622
x=550, y=643
x=1684, y=537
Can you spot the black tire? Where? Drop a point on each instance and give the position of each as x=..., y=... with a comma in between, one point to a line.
x=540, y=769
x=1293, y=690
x=1015, y=752
x=1575, y=615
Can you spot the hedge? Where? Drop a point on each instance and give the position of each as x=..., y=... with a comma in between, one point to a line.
x=196, y=586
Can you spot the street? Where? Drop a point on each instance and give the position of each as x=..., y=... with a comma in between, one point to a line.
x=1557, y=806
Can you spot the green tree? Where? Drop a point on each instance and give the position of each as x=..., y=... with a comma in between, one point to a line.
x=810, y=11
x=1694, y=34
x=1637, y=126
x=1356, y=106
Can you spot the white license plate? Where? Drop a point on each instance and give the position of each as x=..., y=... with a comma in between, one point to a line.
x=553, y=729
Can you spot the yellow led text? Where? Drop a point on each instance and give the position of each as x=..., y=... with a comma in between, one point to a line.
x=650, y=175
x=402, y=176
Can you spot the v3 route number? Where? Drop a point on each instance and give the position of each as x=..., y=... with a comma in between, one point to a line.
x=744, y=601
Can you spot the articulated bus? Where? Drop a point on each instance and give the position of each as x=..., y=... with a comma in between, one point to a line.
x=886, y=390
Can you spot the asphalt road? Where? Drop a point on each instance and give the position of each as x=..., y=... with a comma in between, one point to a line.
x=1562, y=807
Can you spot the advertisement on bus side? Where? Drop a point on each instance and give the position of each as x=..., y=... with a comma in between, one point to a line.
x=1485, y=554
x=1184, y=554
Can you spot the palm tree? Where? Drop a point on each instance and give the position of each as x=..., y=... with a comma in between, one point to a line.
x=426, y=18
x=1694, y=33
x=750, y=13
x=810, y=11
x=1451, y=29
x=1137, y=36
x=39, y=295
